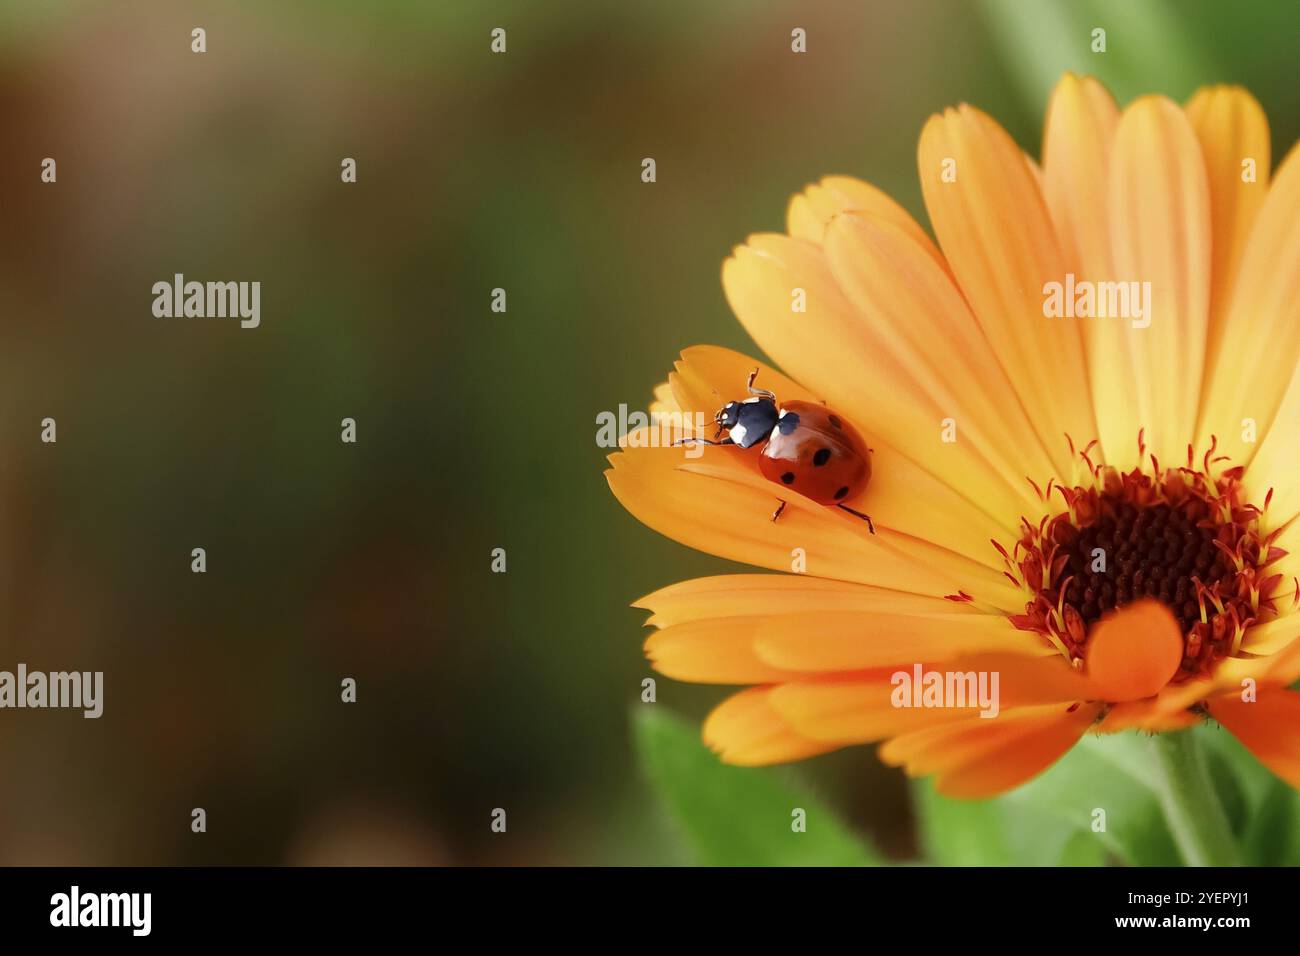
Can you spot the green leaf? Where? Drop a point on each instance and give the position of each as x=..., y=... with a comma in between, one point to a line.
x=999, y=833
x=1112, y=773
x=961, y=832
x=1049, y=821
x=737, y=816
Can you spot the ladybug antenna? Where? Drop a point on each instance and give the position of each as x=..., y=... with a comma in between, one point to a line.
x=760, y=392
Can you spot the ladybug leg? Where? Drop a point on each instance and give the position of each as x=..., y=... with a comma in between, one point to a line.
x=761, y=392
x=702, y=441
x=777, y=513
x=866, y=518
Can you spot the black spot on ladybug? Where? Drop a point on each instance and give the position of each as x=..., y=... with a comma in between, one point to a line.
x=835, y=422
x=822, y=457
x=788, y=479
x=841, y=493
x=787, y=423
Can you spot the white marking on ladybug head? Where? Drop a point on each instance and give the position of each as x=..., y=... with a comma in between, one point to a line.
x=738, y=434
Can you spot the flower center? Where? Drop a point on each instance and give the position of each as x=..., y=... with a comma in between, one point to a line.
x=1183, y=536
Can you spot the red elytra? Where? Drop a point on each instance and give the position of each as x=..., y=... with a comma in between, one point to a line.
x=821, y=456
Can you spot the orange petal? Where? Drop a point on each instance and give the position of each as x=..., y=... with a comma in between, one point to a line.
x=1133, y=652
x=811, y=210
x=707, y=377
x=1283, y=666
x=1255, y=362
x=1232, y=674
x=1144, y=715
x=1228, y=677
x=787, y=631
x=1231, y=127
x=1077, y=145
x=718, y=502
x=714, y=651
x=937, y=523
x=1081, y=121
x=980, y=758
x=729, y=595
x=864, y=366
x=1268, y=726
x=929, y=347
x=854, y=709
x=858, y=709
x=1159, y=213
x=745, y=730
x=994, y=228
x=1272, y=636
x=848, y=641
x=1255, y=376
x=664, y=401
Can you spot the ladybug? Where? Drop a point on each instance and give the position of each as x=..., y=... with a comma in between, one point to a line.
x=805, y=447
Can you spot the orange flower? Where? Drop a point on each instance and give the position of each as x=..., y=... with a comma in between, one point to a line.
x=1040, y=512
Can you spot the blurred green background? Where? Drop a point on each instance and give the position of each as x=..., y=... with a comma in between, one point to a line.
x=476, y=429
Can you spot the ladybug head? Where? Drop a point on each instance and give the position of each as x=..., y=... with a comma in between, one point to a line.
x=749, y=422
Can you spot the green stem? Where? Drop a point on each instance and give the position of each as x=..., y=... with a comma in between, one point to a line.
x=1191, y=805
